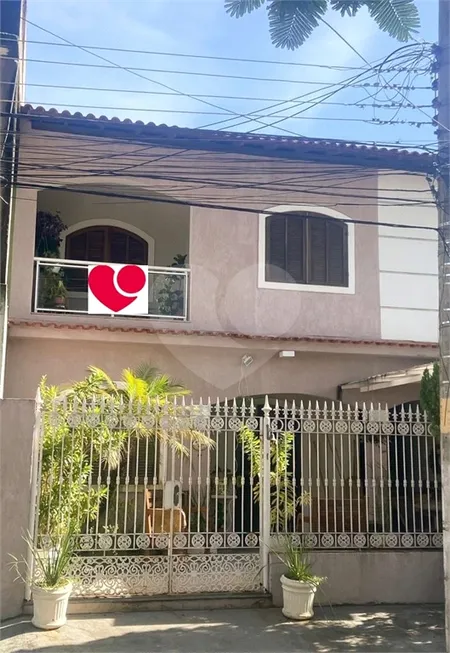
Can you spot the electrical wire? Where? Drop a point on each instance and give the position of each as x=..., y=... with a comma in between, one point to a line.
x=208, y=205
x=412, y=123
x=137, y=74
x=198, y=56
x=196, y=73
x=362, y=105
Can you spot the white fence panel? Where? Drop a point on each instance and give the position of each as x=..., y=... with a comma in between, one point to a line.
x=172, y=497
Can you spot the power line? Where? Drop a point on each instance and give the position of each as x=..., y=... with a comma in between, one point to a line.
x=413, y=123
x=84, y=140
x=51, y=171
x=139, y=75
x=200, y=56
x=208, y=205
x=387, y=105
x=397, y=87
x=196, y=73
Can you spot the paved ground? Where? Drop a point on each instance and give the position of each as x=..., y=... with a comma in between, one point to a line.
x=350, y=629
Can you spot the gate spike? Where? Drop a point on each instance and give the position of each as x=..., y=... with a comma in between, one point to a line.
x=410, y=415
x=266, y=407
x=243, y=407
x=234, y=406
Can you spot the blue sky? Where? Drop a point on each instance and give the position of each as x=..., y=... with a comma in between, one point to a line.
x=203, y=28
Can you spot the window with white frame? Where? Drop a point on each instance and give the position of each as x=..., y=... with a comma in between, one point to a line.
x=306, y=248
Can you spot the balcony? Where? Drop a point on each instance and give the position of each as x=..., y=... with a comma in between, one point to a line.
x=61, y=286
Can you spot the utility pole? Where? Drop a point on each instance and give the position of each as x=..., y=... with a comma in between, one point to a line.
x=444, y=286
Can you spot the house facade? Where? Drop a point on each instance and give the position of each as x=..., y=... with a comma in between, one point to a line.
x=282, y=245
x=290, y=284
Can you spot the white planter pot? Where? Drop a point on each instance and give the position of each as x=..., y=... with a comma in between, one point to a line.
x=50, y=607
x=298, y=599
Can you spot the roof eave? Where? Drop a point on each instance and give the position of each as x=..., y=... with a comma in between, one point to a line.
x=230, y=143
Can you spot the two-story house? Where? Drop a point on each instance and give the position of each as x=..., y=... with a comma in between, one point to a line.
x=305, y=270
x=283, y=245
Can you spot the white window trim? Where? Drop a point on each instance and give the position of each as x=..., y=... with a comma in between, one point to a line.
x=304, y=287
x=106, y=222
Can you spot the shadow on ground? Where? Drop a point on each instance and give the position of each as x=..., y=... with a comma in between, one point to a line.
x=343, y=628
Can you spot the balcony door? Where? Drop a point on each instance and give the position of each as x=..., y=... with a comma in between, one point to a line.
x=101, y=244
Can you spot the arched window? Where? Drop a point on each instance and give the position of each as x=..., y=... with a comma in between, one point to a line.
x=103, y=244
x=106, y=244
x=306, y=248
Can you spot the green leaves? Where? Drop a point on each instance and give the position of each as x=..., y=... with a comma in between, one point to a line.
x=399, y=18
x=238, y=8
x=291, y=22
x=349, y=7
x=430, y=398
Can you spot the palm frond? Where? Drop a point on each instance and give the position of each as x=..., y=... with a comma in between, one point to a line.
x=237, y=8
x=159, y=384
x=292, y=21
x=146, y=371
x=399, y=18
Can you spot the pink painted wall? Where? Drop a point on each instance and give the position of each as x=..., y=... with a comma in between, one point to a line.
x=225, y=294
x=223, y=252
x=206, y=370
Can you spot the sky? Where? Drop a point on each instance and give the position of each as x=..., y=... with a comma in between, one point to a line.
x=202, y=27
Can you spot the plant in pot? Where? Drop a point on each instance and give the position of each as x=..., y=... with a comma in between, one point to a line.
x=50, y=581
x=54, y=292
x=298, y=583
x=171, y=295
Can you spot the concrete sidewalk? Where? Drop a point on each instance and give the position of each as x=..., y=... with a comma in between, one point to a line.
x=343, y=628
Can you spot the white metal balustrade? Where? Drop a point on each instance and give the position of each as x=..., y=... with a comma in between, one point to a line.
x=61, y=286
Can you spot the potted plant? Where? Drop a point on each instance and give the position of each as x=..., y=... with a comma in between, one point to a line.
x=171, y=295
x=298, y=583
x=51, y=584
x=54, y=291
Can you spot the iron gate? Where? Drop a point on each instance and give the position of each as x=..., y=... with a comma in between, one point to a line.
x=169, y=492
x=190, y=498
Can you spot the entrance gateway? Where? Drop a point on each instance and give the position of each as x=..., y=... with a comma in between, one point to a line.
x=190, y=498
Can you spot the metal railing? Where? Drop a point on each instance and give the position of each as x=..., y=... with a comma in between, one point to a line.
x=190, y=497
x=357, y=476
x=61, y=286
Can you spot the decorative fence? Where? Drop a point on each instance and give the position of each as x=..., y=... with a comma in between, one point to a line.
x=169, y=497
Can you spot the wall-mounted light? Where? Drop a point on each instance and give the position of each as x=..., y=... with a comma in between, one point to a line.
x=247, y=360
x=286, y=354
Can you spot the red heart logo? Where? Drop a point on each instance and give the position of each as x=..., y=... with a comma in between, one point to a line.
x=130, y=279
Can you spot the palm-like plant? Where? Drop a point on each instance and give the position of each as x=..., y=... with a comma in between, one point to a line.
x=291, y=22
x=89, y=425
x=139, y=392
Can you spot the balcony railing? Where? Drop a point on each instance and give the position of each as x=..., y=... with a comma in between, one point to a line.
x=61, y=286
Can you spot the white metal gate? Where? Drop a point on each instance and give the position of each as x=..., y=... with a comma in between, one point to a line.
x=168, y=490
x=188, y=498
